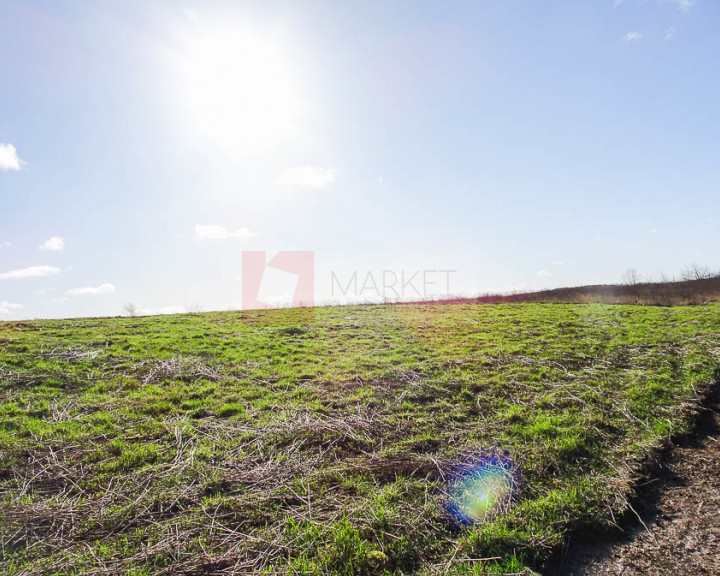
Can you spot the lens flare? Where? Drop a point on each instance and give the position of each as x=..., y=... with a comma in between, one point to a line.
x=481, y=490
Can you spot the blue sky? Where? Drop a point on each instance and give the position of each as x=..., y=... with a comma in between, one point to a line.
x=145, y=145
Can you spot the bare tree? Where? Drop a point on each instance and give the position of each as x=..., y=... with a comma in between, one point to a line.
x=697, y=272
x=631, y=277
x=130, y=309
x=194, y=308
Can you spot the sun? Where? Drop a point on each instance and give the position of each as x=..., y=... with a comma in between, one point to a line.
x=240, y=88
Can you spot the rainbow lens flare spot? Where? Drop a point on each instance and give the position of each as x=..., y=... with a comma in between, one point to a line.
x=482, y=490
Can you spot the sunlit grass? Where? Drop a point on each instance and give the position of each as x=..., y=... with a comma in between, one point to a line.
x=335, y=442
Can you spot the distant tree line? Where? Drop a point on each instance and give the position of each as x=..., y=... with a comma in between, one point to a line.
x=694, y=271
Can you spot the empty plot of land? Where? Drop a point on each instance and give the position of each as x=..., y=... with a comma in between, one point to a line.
x=326, y=441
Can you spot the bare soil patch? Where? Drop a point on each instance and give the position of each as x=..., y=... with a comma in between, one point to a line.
x=678, y=529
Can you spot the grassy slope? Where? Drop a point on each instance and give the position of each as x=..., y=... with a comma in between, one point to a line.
x=293, y=441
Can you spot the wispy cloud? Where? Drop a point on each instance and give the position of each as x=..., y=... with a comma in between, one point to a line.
x=7, y=307
x=91, y=290
x=56, y=243
x=544, y=274
x=633, y=36
x=9, y=159
x=30, y=272
x=5, y=244
x=684, y=5
x=617, y=3
x=314, y=177
x=215, y=232
x=670, y=32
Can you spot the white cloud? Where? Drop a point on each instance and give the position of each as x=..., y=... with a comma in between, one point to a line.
x=633, y=36
x=30, y=272
x=544, y=274
x=56, y=243
x=684, y=5
x=215, y=232
x=7, y=307
x=313, y=177
x=617, y=3
x=91, y=290
x=172, y=309
x=5, y=244
x=670, y=33
x=9, y=159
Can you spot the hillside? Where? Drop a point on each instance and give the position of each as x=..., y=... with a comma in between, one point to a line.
x=435, y=438
x=680, y=292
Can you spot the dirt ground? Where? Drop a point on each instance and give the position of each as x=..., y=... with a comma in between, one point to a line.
x=680, y=510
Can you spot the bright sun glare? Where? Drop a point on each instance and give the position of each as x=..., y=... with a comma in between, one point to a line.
x=240, y=88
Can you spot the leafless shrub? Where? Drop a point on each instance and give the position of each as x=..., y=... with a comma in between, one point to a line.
x=130, y=309
x=631, y=277
x=195, y=308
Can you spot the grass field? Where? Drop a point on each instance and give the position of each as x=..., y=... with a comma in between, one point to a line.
x=332, y=441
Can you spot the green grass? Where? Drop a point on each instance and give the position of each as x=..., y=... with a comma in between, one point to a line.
x=293, y=441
